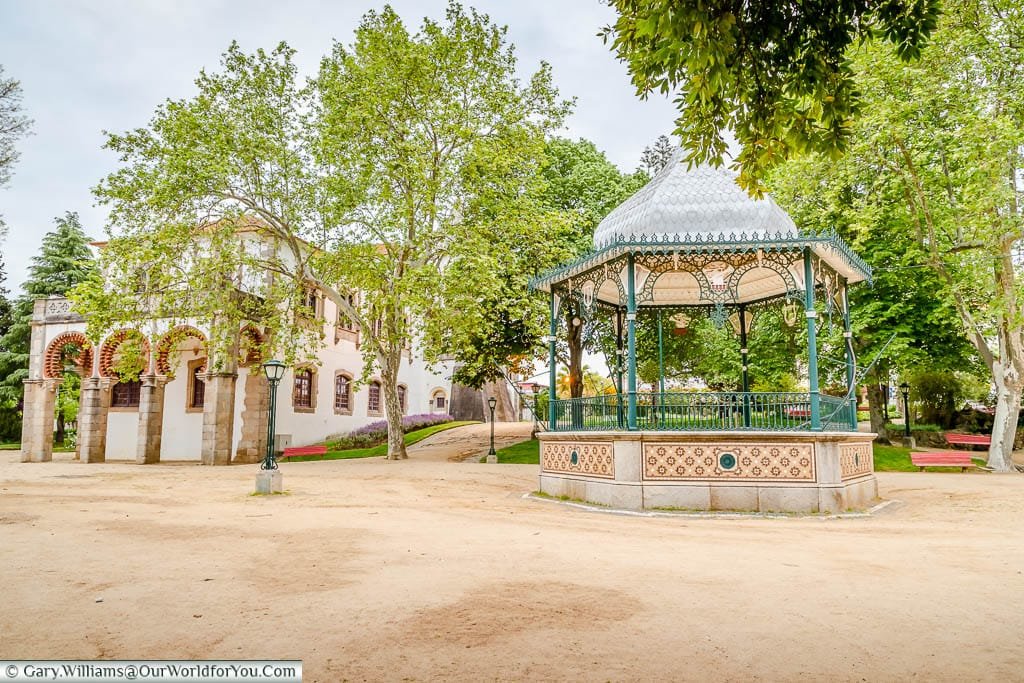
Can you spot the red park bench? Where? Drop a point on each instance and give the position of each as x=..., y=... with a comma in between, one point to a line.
x=304, y=450
x=797, y=411
x=947, y=459
x=954, y=439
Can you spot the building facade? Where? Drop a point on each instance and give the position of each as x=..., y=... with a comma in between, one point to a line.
x=178, y=410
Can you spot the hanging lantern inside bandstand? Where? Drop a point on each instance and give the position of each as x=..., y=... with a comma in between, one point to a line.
x=681, y=323
x=790, y=311
x=734, y=320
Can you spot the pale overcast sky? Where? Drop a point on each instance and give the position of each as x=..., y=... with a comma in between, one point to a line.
x=91, y=65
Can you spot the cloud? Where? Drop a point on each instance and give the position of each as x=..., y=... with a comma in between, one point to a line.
x=106, y=64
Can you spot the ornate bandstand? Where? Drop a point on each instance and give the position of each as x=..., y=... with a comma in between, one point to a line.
x=693, y=241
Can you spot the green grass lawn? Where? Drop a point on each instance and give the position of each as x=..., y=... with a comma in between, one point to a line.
x=523, y=453
x=897, y=459
x=382, y=449
x=15, y=446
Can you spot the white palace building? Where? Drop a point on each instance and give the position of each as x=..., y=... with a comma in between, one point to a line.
x=181, y=412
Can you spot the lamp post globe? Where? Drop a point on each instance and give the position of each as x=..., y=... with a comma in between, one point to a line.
x=905, y=390
x=491, y=402
x=274, y=370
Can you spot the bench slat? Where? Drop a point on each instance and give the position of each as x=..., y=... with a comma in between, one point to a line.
x=304, y=450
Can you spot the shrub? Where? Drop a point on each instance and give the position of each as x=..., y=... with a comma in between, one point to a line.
x=376, y=433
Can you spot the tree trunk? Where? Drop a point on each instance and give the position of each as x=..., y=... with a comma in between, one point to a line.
x=504, y=411
x=60, y=426
x=1004, y=428
x=392, y=408
x=876, y=403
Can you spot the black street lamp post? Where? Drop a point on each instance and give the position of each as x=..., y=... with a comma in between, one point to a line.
x=905, y=390
x=492, y=456
x=274, y=370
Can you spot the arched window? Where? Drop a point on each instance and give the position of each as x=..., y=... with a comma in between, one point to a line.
x=125, y=394
x=438, y=401
x=402, y=391
x=197, y=390
x=304, y=391
x=342, y=394
x=373, y=404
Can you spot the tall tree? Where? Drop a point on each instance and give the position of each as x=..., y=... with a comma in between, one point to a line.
x=434, y=149
x=903, y=319
x=774, y=73
x=585, y=186
x=13, y=125
x=656, y=156
x=942, y=141
x=64, y=261
x=403, y=172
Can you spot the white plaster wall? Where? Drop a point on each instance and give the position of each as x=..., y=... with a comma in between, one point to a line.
x=182, y=436
x=236, y=428
x=122, y=433
x=309, y=428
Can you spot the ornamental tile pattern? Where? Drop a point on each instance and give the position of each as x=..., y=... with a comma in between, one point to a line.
x=574, y=457
x=855, y=460
x=733, y=462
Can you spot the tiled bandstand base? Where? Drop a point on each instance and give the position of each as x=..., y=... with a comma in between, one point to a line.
x=752, y=471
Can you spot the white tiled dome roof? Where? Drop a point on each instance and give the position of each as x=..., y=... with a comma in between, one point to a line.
x=689, y=204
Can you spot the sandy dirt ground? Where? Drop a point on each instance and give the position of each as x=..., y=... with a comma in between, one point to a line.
x=434, y=570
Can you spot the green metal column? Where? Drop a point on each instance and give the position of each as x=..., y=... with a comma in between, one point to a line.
x=812, y=342
x=743, y=355
x=618, y=368
x=631, y=342
x=851, y=389
x=553, y=331
x=661, y=372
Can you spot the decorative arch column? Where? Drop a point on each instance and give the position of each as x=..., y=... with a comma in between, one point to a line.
x=93, y=408
x=151, y=417
x=219, y=406
x=252, y=443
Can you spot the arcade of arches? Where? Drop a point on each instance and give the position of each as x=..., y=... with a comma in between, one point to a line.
x=156, y=361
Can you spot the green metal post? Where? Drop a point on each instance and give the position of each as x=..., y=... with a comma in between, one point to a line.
x=553, y=331
x=743, y=355
x=661, y=372
x=851, y=388
x=631, y=342
x=812, y=342
x=621, y=414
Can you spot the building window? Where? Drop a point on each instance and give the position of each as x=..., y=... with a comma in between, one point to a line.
x=373, y=405
x=311, y=303
x=197, y=385
x=303, y=392
x=438, y=402
x=343, y=394
x=125, y=394
x=344, y=321
x=401, y=397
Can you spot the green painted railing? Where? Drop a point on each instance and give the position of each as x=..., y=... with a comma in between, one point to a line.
x=702, y=411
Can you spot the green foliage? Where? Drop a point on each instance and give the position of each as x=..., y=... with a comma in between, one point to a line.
x=13, y=125
x=930, y=194
x=402, y=182
x=774, y=73
x=64, y=261
x=938, y=395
